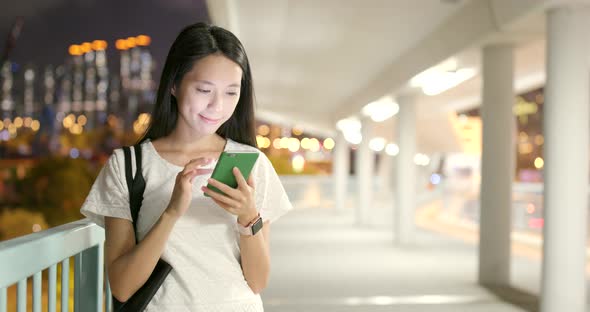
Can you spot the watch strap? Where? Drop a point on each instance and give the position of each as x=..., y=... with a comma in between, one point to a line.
x=252, y=228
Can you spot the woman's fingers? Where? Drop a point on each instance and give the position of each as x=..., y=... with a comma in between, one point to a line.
x=242, y=183
x=220, y=197
x=197, y=172
x=239, y=177
x=195, y=163
x=230, y=191
x=251, y=181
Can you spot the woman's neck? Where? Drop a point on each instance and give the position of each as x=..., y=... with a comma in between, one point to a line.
x=185, y=142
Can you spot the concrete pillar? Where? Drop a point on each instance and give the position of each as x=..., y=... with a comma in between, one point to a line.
x=566, y=127
x=497, y=165
x=365, y=166
x=384, y=172
x=340, y=170
x=405, y=191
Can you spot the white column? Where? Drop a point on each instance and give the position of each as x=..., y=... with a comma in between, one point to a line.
x=566, y=127
x=405, y=191
x=384, y=172
x=497, y=165
x=340, y=169
x=365, y=167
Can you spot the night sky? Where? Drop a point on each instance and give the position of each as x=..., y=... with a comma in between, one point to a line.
x=51, y=26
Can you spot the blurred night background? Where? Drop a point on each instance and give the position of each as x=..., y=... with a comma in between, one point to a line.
x=78, y=79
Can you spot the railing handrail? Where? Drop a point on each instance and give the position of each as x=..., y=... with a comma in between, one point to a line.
x=23, y=256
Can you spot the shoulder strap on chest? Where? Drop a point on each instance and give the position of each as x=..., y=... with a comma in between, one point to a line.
x=135, y=185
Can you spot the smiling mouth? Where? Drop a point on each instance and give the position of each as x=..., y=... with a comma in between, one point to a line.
x=209, y=120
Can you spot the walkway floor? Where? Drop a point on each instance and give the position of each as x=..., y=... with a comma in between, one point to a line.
x=321, y=262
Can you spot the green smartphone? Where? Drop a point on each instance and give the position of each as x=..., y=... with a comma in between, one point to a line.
x=223, y=171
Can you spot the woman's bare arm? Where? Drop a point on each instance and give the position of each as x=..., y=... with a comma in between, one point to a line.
x=130, y=265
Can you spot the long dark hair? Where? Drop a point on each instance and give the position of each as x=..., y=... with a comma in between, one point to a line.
x=192, y=44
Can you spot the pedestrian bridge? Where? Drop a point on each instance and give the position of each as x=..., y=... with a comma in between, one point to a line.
x=323, y=260
x=379, y=237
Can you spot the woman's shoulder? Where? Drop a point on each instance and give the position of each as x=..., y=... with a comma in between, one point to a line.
x=118, y=154
x=117, y=157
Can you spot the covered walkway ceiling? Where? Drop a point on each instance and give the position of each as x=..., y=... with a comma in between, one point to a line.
x=316, y=62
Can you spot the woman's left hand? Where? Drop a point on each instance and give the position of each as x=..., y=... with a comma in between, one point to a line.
x=238, y=201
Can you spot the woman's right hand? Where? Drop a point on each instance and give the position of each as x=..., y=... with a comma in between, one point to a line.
x=182, y=193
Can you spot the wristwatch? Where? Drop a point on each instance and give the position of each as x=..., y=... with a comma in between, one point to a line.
x=252, y=228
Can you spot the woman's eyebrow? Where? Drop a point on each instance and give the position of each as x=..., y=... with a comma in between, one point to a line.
x=211, y=83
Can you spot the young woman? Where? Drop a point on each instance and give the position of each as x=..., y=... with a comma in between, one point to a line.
x=205, y=105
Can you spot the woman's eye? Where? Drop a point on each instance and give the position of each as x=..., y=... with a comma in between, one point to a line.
x=203, y=90
x=232, y=93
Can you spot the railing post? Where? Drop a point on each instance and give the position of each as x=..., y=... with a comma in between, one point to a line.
x=88, y=280
x=108, y=296
x=3, y=299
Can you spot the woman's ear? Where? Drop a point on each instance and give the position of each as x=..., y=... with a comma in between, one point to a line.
x=173, y=90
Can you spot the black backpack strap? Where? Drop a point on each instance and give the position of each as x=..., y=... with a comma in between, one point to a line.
x=135, y=185
x=128, y=173
x=138, y=187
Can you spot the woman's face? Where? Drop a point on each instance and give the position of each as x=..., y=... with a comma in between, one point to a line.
x=208, y=94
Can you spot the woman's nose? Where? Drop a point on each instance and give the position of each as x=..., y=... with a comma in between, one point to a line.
x=216, y=103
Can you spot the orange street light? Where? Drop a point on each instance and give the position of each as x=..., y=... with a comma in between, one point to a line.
x=99, y=45
x=143, y=40
x=131, y=42
x=86, y=47
x=121, y=44
x=75, y=50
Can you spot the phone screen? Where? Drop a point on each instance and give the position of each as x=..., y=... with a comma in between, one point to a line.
x=222, y=172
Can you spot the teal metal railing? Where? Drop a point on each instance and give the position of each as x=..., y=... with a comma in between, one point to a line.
x=28, y=256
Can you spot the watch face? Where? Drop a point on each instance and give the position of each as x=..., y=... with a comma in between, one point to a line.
x=257, y=226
